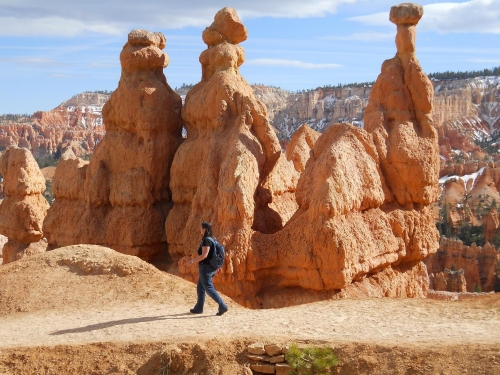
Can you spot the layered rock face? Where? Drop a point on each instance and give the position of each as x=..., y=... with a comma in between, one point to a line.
x=76, y=123
x=478, y=264
x=362, y=224
x=121, y=197
x=23, y=208
x=230, y=170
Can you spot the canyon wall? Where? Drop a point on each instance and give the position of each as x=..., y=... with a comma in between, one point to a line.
x=76, y=124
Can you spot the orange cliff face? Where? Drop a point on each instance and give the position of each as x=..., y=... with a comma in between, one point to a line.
x=478, y=265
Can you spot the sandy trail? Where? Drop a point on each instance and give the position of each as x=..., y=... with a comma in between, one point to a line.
x=89, y=310
x=391, y=321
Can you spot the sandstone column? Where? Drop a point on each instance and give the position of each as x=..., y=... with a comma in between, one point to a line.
x=121, y=198
x=24, y=207
x=230, y=170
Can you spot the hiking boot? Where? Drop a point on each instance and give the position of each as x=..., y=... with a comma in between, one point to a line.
x=221, y=312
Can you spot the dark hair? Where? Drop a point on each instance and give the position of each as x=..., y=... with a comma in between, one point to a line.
x=208, y=229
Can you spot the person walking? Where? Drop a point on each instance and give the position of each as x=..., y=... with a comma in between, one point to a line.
x=206, y=272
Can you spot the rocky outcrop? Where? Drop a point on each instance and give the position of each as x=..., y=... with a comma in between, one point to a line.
x=121, y=198
x=361, y=227
x=478, y=264
x=491, y=224
x=300, y=146
x=448, y=281
x=230, y=170
x=400, y=113
x=77, y=122
x=23, y=209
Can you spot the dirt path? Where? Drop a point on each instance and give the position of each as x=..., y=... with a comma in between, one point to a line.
x=89, y=310
x=391, y=321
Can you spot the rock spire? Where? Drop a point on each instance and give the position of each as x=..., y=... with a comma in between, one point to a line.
x=121, y=198
x=24, y=207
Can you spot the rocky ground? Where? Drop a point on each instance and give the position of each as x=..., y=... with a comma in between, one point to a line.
x=89, y=310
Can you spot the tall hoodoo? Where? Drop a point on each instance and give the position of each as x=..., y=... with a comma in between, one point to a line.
x=364, y=222
x=122, y=196
x=399, y=115
x=24, y=207
x=230, y=170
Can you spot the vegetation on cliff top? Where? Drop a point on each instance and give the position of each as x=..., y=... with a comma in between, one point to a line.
x=464, y=75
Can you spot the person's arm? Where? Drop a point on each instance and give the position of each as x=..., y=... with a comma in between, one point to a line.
x=199, y=258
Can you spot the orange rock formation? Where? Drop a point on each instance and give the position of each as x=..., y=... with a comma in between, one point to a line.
x=47, y=133
x=121, y=198
x=299, y=148
x=448, y=281
x=478, y=263
x=230, y=170
x=363, y=222
x=23, y=209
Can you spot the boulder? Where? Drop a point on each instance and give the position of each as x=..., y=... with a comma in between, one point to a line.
x=299, y=148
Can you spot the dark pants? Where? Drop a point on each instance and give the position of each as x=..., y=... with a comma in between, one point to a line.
x=205, y=286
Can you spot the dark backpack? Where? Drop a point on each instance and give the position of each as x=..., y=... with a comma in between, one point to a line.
x=217, y=259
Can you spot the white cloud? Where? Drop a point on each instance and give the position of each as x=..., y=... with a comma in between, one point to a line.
x=485, y=61
x=363, y=37
x=291, y=63
x=104, y=65
x=70, y=18
x=478, y=16
x=60, y=75
x=31, y=61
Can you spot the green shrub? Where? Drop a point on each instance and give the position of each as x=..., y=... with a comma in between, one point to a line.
x=309, y=361
x=47, y=161
x=48, y=193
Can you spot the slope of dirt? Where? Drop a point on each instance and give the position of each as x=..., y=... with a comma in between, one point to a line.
x=89, y=310
x=85, y=277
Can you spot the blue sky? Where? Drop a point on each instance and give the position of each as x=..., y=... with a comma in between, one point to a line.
x=51, y=50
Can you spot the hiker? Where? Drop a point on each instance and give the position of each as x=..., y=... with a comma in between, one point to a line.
x=206, y=271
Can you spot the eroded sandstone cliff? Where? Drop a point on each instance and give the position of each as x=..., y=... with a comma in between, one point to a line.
x=76, y=124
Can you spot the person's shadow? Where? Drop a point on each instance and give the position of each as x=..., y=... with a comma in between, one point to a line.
x=94, y=327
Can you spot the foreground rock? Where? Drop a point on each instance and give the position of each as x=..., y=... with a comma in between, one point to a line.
x=121, y=198
x=23, y=208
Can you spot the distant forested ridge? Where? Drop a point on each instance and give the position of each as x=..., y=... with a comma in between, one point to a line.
x=464, y=75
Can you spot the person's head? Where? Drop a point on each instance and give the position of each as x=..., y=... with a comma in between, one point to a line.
x=206, y=227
